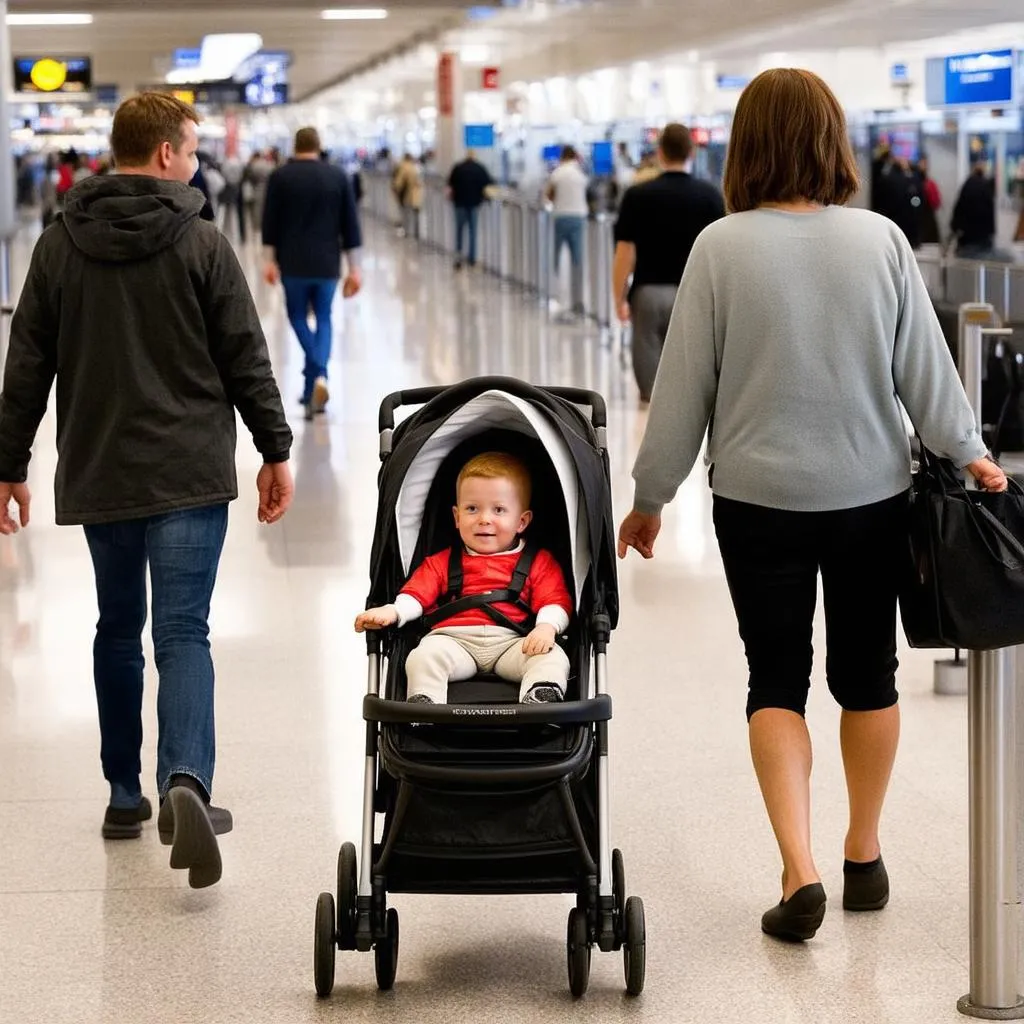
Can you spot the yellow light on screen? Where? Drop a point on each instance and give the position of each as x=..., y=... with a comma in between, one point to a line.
x=48, y=75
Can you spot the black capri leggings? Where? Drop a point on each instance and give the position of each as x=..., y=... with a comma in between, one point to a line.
x=772, y=558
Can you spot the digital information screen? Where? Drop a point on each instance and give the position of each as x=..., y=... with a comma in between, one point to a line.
x=52, y=74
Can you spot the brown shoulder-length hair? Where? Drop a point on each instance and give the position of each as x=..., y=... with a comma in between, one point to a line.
x=789, y=142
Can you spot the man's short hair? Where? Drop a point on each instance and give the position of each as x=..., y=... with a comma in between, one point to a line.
x=144, y=122
x=676, y=144
x=307, y=140
x=499, y=465
x=568, y=153
x=789, y=142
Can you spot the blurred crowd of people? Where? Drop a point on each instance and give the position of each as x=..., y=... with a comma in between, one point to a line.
x=903, y=191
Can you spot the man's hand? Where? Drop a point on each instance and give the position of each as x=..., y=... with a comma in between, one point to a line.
x=540, y=640
x=274, y=482
x=376, y=618
x=624, y=312
x=271, y=273
x=353, y=284
x=22, y=497
x=989, y=476
x=639, y=531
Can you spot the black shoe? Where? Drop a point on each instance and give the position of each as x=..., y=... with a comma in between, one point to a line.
x=187, y=820
x=865, y=886
x=543, y=693
x=126, y=822
x=798, y=918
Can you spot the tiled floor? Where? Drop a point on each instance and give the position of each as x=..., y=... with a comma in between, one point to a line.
x=94, y=932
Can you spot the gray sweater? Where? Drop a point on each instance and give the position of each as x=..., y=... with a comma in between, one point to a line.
x=797, y=336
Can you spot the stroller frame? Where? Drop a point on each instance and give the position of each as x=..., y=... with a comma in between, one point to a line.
x=603, y=915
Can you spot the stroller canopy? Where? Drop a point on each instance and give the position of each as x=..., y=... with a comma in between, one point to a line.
x=423, y=442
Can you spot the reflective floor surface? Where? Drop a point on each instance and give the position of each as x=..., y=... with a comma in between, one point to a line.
x=105, y=932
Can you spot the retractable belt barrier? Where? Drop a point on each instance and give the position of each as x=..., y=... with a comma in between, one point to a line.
x=956, y=282
x=992, y=753
x=515, y=242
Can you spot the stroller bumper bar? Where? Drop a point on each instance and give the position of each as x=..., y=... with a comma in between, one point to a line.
x=502, y=716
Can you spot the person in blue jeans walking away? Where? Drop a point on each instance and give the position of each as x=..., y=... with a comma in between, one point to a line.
x=141, y=312
x=309, y=219
x=468, y=187
x=567, y=192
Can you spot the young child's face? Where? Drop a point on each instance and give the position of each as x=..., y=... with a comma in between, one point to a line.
x=490, y=514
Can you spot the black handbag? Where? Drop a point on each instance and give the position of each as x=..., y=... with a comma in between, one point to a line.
x=963, y=583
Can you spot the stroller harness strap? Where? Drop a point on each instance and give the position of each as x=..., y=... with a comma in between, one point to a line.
x=453, y=603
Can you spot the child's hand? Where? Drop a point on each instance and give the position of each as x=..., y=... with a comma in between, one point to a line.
x=540, y=641
x=376, y=618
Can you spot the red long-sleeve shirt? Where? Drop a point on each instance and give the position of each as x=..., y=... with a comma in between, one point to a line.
x=545, y=586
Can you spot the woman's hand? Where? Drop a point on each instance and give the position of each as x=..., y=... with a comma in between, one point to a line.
x=639, y=531
x=988, y=475
x=376, y=618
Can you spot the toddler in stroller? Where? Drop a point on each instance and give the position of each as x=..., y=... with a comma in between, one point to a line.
x=478, y=791
x=484, y=595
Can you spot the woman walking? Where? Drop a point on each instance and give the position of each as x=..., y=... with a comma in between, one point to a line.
x=799, y=328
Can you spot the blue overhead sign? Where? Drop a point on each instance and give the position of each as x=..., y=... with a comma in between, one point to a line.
x=728, y=82
x=479, y=136
x=187, y=57
x=899, y=74
x=985, y=79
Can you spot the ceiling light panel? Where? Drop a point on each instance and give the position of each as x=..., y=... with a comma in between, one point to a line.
x=56, y=18
x=354, y=14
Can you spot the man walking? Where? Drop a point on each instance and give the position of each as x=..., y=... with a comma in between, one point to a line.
x=658, y=223
x=468, y=185
x=567, y=192
x=142, y=313
x=309, y=217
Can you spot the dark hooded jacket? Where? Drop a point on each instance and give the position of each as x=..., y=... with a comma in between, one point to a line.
x=142, y=313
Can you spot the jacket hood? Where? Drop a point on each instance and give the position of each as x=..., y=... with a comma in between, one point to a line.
x=122, y=217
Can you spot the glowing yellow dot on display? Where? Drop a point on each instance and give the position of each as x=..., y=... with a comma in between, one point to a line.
x=48, y=75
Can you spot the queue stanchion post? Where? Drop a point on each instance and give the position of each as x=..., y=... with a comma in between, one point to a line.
x=992, y=770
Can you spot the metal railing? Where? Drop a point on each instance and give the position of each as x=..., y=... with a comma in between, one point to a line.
x=956, y=282
x=515, y=242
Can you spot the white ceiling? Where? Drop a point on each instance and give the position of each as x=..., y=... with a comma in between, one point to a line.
x=131, y=41
x=541, y=40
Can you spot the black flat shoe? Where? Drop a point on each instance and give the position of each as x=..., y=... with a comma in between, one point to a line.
x=865, y=886
x=798, y=918
x=126, y=823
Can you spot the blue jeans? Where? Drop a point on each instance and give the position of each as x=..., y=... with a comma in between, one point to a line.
x=569, y=231
x=466, y=218
x=301, y=294
x=183, y=552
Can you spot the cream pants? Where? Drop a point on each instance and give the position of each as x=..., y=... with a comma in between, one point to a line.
x=462, y=652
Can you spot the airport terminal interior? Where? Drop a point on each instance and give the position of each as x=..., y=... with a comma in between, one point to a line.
x=103, y=932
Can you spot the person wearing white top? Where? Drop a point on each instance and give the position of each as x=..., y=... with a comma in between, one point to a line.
x=567, y=191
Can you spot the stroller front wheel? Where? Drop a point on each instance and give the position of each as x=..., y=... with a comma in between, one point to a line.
x=634, y=949
x=578, y=952
x=324, y=948
x=385, y=953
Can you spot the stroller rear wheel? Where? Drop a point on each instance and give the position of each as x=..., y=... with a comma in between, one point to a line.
x=634, y=949
x=348, y=888
x=324, y=949
x=578, y=952
x=385, y=953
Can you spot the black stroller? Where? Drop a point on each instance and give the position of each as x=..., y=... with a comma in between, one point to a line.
x=485, y=795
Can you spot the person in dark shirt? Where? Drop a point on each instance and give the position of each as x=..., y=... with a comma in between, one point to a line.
x=142, y=313
x=309, y=218
x=467, y=188
x=658, y=223
x=974, y=219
